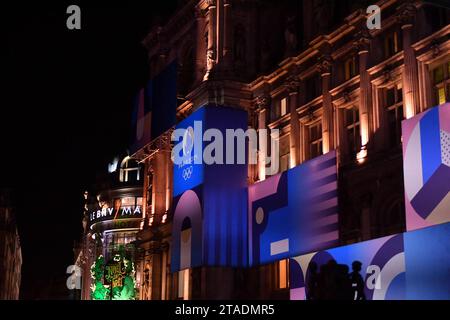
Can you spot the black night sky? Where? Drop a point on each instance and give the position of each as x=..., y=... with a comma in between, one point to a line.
x=65, y=111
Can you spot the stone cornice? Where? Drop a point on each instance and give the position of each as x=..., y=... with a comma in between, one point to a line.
x=352, y=23
x=442, y=33
x=175, y=26
x=220, y=92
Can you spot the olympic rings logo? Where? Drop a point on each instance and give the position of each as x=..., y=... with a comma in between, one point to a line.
x=187, y=172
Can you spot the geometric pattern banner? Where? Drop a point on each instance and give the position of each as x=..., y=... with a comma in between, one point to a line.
x=187, y=230
x=141, y=121
x=210, y=200
x=154, y=108
x=385, y=255
x=426, y=167
x=407, y=266
x=294, y=212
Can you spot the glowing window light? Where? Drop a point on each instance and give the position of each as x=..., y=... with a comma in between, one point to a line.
x=112, y=167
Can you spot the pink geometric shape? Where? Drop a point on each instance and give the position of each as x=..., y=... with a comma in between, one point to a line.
x=264, y=188
x=444, y=117
x=413, y=220
x=297, y=294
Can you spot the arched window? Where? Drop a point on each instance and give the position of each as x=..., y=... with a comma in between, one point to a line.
x=129, y=170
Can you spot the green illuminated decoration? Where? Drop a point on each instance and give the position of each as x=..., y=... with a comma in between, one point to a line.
x=115, y=280
x=98, y=290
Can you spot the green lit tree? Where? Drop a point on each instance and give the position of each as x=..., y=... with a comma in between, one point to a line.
x=98, y=290
x=125, y=292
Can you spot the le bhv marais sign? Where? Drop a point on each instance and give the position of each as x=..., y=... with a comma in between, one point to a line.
x=115, y=213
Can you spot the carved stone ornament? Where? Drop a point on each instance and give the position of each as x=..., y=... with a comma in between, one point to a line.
x=262, y=102
x=324, y=65
x=292, y=83
x=361, y=40
x=406, y=13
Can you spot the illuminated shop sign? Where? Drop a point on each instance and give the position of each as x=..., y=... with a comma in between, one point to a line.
x=107, y=214
x=426, y=166
x=411, y=265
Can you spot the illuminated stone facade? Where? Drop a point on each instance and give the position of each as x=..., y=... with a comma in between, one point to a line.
x=313, y=70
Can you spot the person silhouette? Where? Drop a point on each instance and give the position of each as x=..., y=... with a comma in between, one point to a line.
x=357, y=281
x=334, y=279
x=344, y=287
x=312, y=282
x=329, y=278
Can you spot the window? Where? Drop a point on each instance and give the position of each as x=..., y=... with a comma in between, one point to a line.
x=183, y=284
x=394, y=109
x=391, y=44
x=128, y=201
x=129, y=170
x=351, y=124
x=351, y=68
x=315, y=140
x=115, y=241
x=284, y=153
x=283, y=106
x=279, y=109
x=441, y=83
x=313, y=87
x=282, y=274
x=274, y=111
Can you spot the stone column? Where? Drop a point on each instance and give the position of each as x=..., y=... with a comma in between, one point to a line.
x=211, y=53
x=201, y=47
x=145, y=211
x=253, y=172
x=262, y=110
x=292, y=85
x=169, y=177
x=361, y=43
x=156, y=266
x=405, y=17
x=324, y=67
x=227, y=36
x=159, y=188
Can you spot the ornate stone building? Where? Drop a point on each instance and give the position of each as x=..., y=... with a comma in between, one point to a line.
x=313, y=70
x=10, y=250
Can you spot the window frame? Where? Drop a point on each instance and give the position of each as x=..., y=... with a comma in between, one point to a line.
x=283, y=106
x=351, y=68
x=282, y=284
x=393, y=36
x=396, y=107
x=443, y=84
x=315, y=142
x=355, y=127
x=284, y=156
